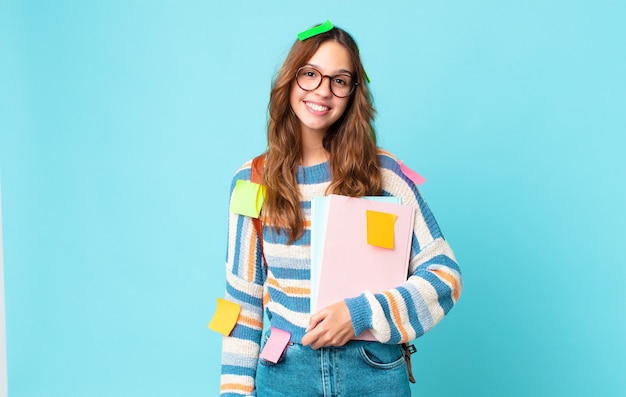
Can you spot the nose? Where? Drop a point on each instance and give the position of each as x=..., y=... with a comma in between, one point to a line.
x=324, y=89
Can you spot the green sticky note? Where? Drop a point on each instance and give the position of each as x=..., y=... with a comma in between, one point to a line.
x=314, y=31
x=380, y=229
x=247, y=198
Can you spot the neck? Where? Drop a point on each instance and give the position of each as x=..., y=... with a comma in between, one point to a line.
x=313, y=157
x=313, y=151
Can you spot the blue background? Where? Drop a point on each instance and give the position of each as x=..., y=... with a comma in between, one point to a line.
x=122, y=123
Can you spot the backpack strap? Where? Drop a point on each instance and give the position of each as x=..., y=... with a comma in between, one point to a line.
x=255, y=176
x=408, y=350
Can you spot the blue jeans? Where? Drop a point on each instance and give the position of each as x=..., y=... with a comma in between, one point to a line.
x=357, y=369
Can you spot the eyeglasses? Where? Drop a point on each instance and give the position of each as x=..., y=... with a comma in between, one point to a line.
x=341, y=85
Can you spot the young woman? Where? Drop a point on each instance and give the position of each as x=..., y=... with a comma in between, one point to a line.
x=321, y=141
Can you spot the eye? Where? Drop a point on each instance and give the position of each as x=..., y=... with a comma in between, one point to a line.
x=309, y=73
x=342, y=80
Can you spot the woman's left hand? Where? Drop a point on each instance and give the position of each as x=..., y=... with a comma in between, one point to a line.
x=331, y=326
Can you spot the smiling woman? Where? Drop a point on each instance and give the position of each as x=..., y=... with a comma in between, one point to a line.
x=320, y=142
x=121, y=123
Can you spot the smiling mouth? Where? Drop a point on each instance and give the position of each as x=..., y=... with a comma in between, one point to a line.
x=317, y=108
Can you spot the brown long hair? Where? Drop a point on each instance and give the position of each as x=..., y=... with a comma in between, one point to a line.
x=351, y=140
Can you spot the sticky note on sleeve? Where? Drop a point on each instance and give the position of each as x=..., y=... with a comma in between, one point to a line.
x=380, y=228
x=275, y=345
x=225, y=316
x=247, y=198
x=412, y=175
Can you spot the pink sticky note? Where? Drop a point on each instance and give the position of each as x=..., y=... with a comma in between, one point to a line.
x=412, y=175
x=275, y=345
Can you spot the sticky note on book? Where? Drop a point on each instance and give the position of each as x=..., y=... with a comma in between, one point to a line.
x=412, y=175
x=225, y=316
x=380, y=228
x=275, y=345
x=247, y=198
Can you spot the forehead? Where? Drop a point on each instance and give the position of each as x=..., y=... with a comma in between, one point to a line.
x=331, y=57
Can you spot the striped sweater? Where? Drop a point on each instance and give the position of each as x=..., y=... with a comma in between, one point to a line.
x=395, y=316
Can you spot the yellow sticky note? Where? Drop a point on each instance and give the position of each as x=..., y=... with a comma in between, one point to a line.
x=225, y=316
x=247, y=198
x=380, y=226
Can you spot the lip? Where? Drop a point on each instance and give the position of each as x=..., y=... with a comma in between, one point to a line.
x=308, y=104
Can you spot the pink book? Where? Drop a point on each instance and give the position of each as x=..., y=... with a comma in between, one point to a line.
x=349, y=265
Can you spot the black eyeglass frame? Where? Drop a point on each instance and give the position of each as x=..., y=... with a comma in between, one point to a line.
x=354, y=84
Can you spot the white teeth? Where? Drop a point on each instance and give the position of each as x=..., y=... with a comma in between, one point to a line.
x=317, y=108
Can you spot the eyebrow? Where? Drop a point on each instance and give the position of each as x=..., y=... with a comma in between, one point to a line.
x=340, y=71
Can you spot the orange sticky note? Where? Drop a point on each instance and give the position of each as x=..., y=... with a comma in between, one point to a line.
x=412, y=175
x=225, y=316
x=247, y=198
x=380, y=228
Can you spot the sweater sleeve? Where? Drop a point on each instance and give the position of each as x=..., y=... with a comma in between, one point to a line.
x=434, y=281
x=244, y=286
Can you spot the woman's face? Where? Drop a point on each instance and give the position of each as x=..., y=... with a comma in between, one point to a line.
x=318, y=109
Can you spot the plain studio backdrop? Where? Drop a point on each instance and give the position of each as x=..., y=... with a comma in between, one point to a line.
x=122, y=123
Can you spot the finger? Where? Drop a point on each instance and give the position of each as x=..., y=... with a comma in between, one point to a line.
x=310, y=337
x=315, y=319
x=307, y=339
x=319, y=342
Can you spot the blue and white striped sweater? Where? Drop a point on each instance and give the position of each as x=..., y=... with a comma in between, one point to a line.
x=394, y=316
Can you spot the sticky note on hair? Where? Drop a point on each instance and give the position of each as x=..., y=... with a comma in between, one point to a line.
x=247, y=198
x=380, y=228
x=225, y=317
x=412, y=175
x=314, y=31
x=275, y=345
